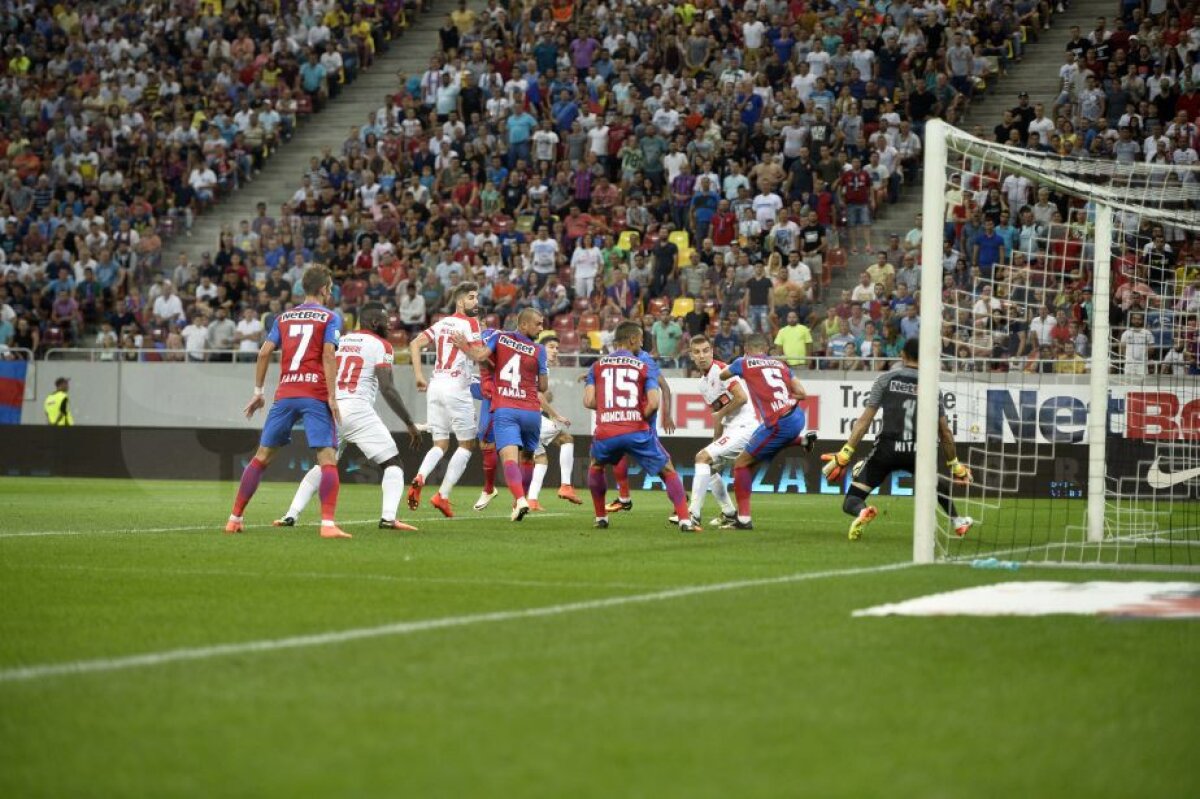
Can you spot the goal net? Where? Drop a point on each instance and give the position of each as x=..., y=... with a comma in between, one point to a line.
x=1059, y=305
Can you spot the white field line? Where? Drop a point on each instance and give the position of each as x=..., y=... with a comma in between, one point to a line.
x=219, y=525
x=389, y=578
x=99, y=665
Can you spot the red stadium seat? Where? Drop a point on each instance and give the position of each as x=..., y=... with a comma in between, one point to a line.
x=658, y=304
x=394, y=322
x=588, y=322
x=399, y=339
x=563, y=323
x=582, y=304
x=568, y=342
x=836, y=258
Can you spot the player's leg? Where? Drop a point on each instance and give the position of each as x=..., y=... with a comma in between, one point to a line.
x=720, y=493
x=462, y=421
x=487, y=447
x=541, y=465
x=507, y=424
x=865, y=477
x=603, y=452
x=276, y=433
x=368, y=432
x=321, y=432
x=654, y=459
x=624, y=500
x=702, y=477
x=304, y=494
x=438, y=419
x=962, y=524
x=393, y=490
x=566, y=465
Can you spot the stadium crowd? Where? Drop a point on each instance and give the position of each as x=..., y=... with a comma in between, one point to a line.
x=703, y=167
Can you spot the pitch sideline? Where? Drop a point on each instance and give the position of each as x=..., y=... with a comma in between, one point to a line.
x=100, y=665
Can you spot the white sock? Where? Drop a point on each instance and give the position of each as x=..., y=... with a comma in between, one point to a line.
x=393, y=487
x=539, y=477
x=566, y=462
x=309, y=485
x=720, y=492
x=432, y=458
x=700, y=487
x=454, y=471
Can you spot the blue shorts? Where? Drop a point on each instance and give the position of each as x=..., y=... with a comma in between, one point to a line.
x=487, y=431
x=319, y=428
x=513, y=427
x=643, y=446
x=767, y=441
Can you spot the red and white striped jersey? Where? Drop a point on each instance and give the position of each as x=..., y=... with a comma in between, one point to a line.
x=451, y=367
x=359, y=355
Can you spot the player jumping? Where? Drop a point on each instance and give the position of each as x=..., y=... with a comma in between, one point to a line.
x=307, y=335
x=623, y=390
x=734, y=422
x=364, y=361
x=776, y=393
x=624, y=500
x=895, y=447
x=450, y=406
x=520, y=379
x=553, y=432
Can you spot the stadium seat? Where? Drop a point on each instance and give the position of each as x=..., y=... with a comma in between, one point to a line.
x=712, y=308
x=568, y=342
x=681, y=240
x=394, y=322
x=682, y=307
x=582, y=305
x=563, y=323
x=629, y=240
x=836, y=258
x=595, y=340
x=525, y=223
x=564, y=275
x=658, y=304
x=588, y=322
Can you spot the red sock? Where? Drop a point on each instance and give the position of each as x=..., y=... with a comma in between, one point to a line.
x=621, y=472
x=598, y=485
x=330, y=484
x=741, y=487
x=526, y=475
x=676, y=494
x=489, y=470
x=512, y=476
x=248, y=485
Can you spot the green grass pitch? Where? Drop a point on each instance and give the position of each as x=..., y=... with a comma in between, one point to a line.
x=765, y=690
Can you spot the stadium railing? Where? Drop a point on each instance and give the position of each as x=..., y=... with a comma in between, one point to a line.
x=149, y=355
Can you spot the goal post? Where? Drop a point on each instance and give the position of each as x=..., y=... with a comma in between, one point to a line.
x=1065, y=360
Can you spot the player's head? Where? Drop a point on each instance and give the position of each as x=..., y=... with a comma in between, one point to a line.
x=374, y=317
x=756, y=344
x=466, y=298
x=911, y=352
x=628, y=336
x=529, y=323
x=701, y=352
x=551, y=345
x=317, y=283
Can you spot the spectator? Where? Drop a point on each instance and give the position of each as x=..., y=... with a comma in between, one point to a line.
x=667, y=337
x=794, y=341
x=249, y=335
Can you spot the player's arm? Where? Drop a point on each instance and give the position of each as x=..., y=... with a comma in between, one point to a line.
x=960, y=472
x=387, y=387
x=589, y=388
x=836, y=463
x=737, y=398
x=668, y=419
x=653, y=401
x=260, y=376
x=329, y=366
x=797, y=388
x=545, y=398
x=477, y=351
x=415, y=347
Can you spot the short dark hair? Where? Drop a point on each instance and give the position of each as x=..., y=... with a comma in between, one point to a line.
x=462, y=290
x=373, y=316
x=628, y=333
x=699, y=339
x=912, y=350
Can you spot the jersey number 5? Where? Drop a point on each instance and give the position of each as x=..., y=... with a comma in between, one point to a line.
x=775, y=379
x=620, y=388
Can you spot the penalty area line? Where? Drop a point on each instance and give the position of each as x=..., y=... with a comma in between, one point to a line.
x=149, y=659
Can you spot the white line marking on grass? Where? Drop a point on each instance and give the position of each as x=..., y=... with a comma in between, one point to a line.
x=26, y=673
x=219, y=526
x=392, y=578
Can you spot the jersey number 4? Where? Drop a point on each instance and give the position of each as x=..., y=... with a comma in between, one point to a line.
x=511, y=373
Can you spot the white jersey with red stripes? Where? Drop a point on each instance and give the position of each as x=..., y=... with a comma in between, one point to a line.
x=451, y=368
x=717, y=393
x=359, y=355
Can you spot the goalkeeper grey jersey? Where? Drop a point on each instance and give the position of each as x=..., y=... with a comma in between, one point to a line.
x=895, y=393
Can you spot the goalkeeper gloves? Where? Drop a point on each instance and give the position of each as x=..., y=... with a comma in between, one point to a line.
x=835, y=464
x=959, y=471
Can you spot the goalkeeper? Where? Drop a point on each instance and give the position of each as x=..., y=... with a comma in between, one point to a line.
x=895, y=447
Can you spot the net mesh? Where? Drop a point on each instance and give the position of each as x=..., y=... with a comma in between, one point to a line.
x=1022, y=328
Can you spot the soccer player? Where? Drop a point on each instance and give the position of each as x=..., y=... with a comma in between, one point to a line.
x=895, y=447
x=520, y=379
x=776, y=394
x=553, y=432
x=307, y=335
x=623, y=390
x=624, y=499
x=364, y=368
x=734, y=422
x=450, y=407
x=482, y=390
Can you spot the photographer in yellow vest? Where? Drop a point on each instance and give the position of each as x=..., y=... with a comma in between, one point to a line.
x=58, y=411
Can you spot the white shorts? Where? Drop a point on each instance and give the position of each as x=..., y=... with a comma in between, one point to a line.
x=451, y=409
x=733, y=441
x=550, y=431
x=362, y=427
